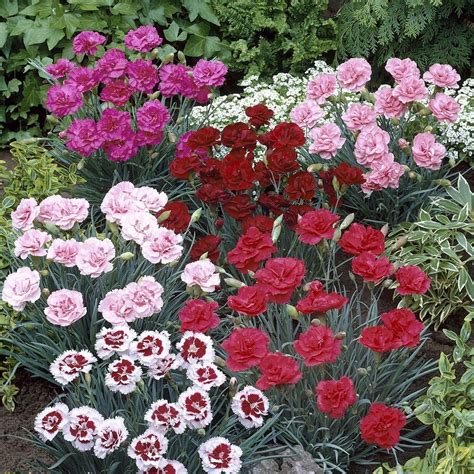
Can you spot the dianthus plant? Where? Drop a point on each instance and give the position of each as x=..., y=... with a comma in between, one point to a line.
x=119, y=110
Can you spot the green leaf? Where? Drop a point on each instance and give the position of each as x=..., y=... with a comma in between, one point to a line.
x=54, y=38
x=36, y=35
x=172, y=33
x=195, y=46
x=72, y=23
x=465, y=190
x=8, y=8
x=444, y=365
x=3, y=34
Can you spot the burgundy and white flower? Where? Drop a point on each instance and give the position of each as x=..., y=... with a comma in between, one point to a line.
x=50, y=421
x=123, y=375
x=67, y=367
x=205, y=375
x=114, y=340
x=160, y=367
x=195, y=347
x=166, y=467
x=145, y=296
x=148, y=449
x=138, y=226
x=250, y=405
x=218, y=455
x=117, y=307
x=164, y=416
x=110, y=435
x=151, y=345
x=82, y=427
x=195, y=407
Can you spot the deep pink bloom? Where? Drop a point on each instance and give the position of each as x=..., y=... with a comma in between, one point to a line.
x=83, y=137
x=87, y=42
x=62, y=100
x=117, y=92
x=209, y=73
x=112, y=65
x=143, y=39
x=142, y=75
x=60, y=68
x=114, y=124
x=83, y=79
x=172, y=79
x=315, y=226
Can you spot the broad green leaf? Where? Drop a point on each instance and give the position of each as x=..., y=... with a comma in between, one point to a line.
x=172, y=33
x=195, y=46
x=465, y=191
x=8, y=8
x=3, y=34
x=54, y=38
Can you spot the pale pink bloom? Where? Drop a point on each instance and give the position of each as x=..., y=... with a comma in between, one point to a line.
x=442, y=75
x=402, y=68
x=153, y=200
x=21, y=287
x=150, y=346
x=25, y=213
x=94, y=257
x=444, y=108
x=321, y=87
x=387, y=104
x=327, y=140
x=82, y=427
x=143, y=39
x=138, y=226
x=426, y=152
x=50, y=421
x=250, y=405
x=87, y=42
x=385, y=173
x=307, y=114
x=148, y=449
x=119, y=201
x=163, y=246
x=123, y=375
x=145, y=296
x=403, y=144
x=195, y=407
x=163, y=416
x=205, y=375
x=203, y=274
x=195, y=347
x=68, y=365
x=110, y=435
x=160, y=367
x=209, y=73
x=371, y=145
x=358, y=116
x=354, y=74
x=64, y=252
x=214, y=462
x=32, y=242
x=410, y=89
x=65, y=307
x=63, y=212
x=114, y=340
x=117, y=307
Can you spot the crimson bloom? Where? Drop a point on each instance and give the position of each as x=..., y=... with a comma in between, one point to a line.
x=179, y=217
x=320, y=301
x=250, y=300
x=334, y=397
x=278, y=369
x=412, y=280
x=378, y=338
x=259, y=115
x=316, y=225
x=317, y=345
x=198, y=316
x=404, y=326
x=370, y=267
x=359, y=238
x=301, y=186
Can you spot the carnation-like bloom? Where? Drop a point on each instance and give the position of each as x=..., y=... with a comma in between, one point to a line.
x=278, y=369
x=151, y=345
x=307, y=114
x=385, y=173
x=412, y=280
x=83, y=79
x=205, y=375
x=123, y=375
x=371, y=267
x=68, y=365
x=111, y=433
x=318, y=346
x=321, y=87
x=145, y=296
x=25, y=214
x=148, y=449
x=388, y=104
x=402, y=68
x=138, y=226
x=142, y=75
x=320, y=301
x=65, y=307
x=334, y=397
x=379, y=339
x=32, y=243
x=209, y=73
x=358, y=116
x=172, y=77
x=163, y=416
x=94, y=257
x=354, y=74
x=87, y=42
x=371, y=145
x=162, y=246
x=153, y=200
x=63, y=212
x=50, y=421
x=119, y=201
x=21, y=287
x=359, y=238
x=63, y=99
x=117, y=92
x=63, y=252
x=114, y=340
x=201, y=273
x=442, y=75
x=315, y=226
x=198, y=315
x=195, y=406
x=250, y=405
x=444, y=108
x=112, y=65
x=60, y=68
x=410, y=89
x=427, y=153
x=195, y=347
x=117, y=307
x=404, y=326
x=160, y=367
x=219, y=455
x=327, y=140
x=249, y=300
x=143, y=39
x=82, y=427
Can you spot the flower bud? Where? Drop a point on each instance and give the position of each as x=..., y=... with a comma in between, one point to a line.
x=181, y=57
x=219, y=361
x=384, y=230
x=314, y=167
x=292, y=311
x=201, y=432
x=45, y=292
x=340, y=335
x=155, y=95
x=347, y=221
x=127, y=256
x=425, y=111
x=51, y=228
x=172, y=137
x=233, y=283
x=169, y=58
x=81, y=164
x=400, y=242
x=163, y=216
x=44, y=273
x=316, y=322
x=445, y=183
x=337, y=235
x=196, y=215
x=362, y=371
x=87, y=378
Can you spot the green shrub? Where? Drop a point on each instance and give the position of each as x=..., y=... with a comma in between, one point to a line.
x=35, y=174
x=271, y=36
x=43, y=29
x=428, y=31
x=441, y=243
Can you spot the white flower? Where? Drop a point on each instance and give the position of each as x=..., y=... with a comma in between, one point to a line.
x=82, y=426
x=114, y=340
x=123, y=375
x=148, y=449
x=151, y=345
x=250, y=405
x=195, y=407
x=50, y=421
x=205, y=375
x=67, y=366
x=110, y=435
x=164, y=416
x=218, y=456
x=195, y=347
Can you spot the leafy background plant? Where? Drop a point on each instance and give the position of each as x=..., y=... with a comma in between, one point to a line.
x=441, y=242
x=43, y=29
x=428, y=31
